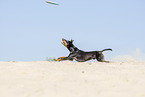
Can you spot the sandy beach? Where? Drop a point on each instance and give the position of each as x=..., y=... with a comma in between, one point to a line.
x=72, y=79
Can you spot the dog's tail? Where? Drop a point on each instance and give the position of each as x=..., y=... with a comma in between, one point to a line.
x=106, y=50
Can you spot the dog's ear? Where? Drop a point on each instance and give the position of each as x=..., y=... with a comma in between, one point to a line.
x=72, y=41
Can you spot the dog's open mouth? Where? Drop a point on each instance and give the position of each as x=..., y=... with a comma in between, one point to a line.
x=64, y=42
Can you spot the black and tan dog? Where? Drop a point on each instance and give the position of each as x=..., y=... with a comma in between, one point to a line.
x=79, y=55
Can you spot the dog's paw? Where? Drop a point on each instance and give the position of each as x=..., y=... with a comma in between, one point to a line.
x=59, y=59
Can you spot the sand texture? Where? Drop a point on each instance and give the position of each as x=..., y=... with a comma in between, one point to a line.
x=72, y=79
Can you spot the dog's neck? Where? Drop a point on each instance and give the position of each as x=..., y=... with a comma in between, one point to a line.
x=72, y=49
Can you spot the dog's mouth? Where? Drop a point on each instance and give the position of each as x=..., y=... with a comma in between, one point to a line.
x=64, y=42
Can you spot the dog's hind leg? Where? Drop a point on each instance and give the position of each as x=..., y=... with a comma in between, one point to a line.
x=100, y=57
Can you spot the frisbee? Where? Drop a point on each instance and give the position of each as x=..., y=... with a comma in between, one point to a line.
x=51, y=3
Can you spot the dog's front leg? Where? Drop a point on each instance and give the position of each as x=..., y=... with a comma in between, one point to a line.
x=63, y=58
x=60, y=58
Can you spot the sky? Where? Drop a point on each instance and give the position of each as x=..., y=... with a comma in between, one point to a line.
x=32, y=30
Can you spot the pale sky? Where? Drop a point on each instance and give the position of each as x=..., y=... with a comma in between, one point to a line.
x=31, y=30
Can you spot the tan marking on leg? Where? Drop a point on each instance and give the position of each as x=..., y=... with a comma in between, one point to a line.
x=57, y=59
x=71, y=59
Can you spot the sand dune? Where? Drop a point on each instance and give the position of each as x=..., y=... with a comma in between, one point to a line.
x=72, y=79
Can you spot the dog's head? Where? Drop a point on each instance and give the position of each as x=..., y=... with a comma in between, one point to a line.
x=67, y=43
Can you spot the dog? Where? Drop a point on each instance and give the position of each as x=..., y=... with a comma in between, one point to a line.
x=80, y=55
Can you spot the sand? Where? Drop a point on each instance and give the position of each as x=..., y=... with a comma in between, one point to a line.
x=72, y=79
